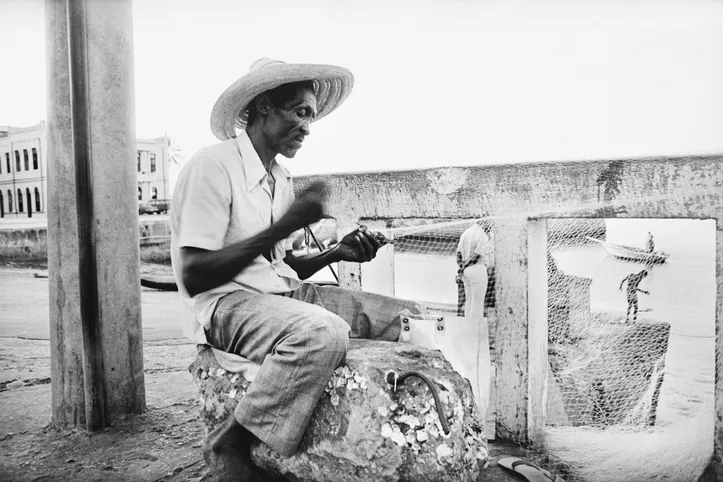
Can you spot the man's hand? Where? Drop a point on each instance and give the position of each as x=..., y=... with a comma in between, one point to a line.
x=360, y=246
x=306, y=209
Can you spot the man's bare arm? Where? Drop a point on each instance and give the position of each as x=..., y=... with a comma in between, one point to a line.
x=203, y=270
x=623, y=282
x=308, y=264
x=361, y=245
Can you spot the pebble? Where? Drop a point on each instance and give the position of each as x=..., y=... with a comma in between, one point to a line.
x=444, y=452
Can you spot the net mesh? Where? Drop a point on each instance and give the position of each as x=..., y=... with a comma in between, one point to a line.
x=605, y=370
x=621, y=382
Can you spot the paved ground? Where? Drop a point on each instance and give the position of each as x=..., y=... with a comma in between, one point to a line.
x=161, y=444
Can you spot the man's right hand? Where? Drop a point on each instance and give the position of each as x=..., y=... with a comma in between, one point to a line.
x=307, y=208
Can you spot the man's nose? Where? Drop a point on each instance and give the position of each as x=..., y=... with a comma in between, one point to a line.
x=306, y=127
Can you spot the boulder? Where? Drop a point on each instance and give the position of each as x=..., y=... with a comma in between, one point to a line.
x=364, y=430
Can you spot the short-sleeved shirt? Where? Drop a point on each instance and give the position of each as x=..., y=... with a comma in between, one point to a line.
x=222, y=196
x=474, y=241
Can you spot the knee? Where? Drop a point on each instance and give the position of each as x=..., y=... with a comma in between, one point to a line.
x=330, y=334
x=338, y=333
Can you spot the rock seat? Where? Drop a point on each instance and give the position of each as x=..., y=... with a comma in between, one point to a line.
x=362, y=430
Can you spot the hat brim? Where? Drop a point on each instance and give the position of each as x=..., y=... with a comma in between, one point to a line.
x=332, y=85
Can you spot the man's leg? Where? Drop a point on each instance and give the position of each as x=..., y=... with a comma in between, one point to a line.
x=370, y=315
x=630, y=308
x=461, y=298
x=635, y=308
x=227, y=453
x=298, y=347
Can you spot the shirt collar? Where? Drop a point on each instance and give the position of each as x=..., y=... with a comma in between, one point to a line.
x=253, y=167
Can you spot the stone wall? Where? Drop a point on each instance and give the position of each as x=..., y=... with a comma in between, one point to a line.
x=514, y=195
x=24, y=245
x=31, y=244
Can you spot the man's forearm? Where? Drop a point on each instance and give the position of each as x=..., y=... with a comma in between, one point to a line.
x=204, y=270
x=308, y=264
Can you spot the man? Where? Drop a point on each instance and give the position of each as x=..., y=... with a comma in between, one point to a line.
x=633, y=280
x=475, y=266
x=650, y=243
x=234, y=211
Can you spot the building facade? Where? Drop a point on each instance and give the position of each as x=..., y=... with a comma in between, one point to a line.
x=152, y=162
x=24, y=178
x=23, y=171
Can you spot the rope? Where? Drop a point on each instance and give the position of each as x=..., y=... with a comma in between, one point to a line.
x=321, y=249
x=399, y=379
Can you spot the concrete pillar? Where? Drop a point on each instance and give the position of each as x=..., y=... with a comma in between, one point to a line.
x=538, y=364
x=521, y=340
x=715, y=468
x=511, y=340
x=93, y=250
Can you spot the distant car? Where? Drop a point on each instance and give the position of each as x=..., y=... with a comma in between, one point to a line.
x=147, y=208
x=162, y=205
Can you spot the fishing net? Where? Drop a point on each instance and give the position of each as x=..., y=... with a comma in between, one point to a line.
x=621, y=383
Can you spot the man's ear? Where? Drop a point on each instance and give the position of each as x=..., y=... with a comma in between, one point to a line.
x=263, y=104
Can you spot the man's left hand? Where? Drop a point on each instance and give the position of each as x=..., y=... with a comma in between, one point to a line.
x=360, y=246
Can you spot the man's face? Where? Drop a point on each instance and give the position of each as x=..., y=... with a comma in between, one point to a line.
x=287, y=126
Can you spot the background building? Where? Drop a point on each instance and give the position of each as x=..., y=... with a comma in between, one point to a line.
x=23, y=170
x=152, y=161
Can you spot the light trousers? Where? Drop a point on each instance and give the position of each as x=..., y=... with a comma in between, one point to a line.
x=298, y=338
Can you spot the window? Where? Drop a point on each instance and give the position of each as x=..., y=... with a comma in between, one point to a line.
x=140, y=193
x=17, y=161
x=27, y=159
x=153, y=162
x=37, y=200
x=20, y=201
x=154, y=193
x=7, y=161
x=35, y=158
x=10, y=201
x=139, y=163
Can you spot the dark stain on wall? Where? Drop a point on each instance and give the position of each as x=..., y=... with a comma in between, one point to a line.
x=609, y=182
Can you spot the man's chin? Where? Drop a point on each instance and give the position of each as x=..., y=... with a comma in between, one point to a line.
x=289, y=153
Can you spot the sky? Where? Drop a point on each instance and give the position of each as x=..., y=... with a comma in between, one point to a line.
x=437, y=82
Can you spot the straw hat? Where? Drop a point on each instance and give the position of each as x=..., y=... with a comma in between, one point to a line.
x=332, y=85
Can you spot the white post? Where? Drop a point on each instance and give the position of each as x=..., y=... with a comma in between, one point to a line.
x=537, y=328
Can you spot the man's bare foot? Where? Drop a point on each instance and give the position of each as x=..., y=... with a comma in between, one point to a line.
x=226, y=452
